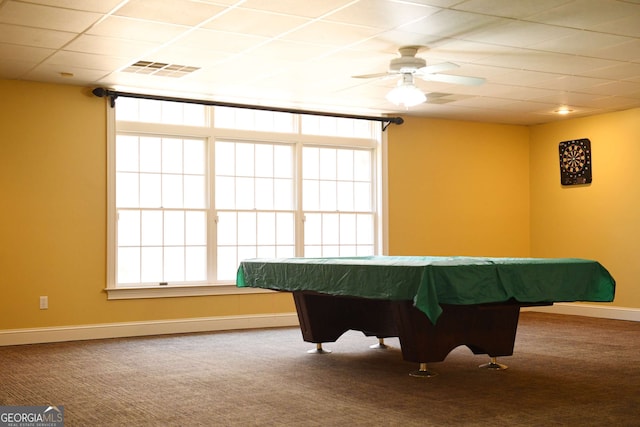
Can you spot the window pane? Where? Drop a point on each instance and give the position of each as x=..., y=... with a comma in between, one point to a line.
x=174, y=228
x=283, y=161
x=150, y=154
x=227, y=228
x=264, y=160
x=365, y=230
x=283, y=194
x=345, y=164
x=266, y=225
x=225, y=193
x=244, y=160
x=227, y=263
x=313, y=229
x=128, y=265
x=310, y=195
x=171, y=155
x=173, y=264
x=244, y=193
x=362, y=165
x=348, y=230
x=127, y=109
x=225, y=158
x=151, y=228
x=246, y=228
x=128, y=228
x=328, y=163
x=172, y=196
x=195, y=195
x=151, y=265
x=127, y=153
x=345, y=196
x=150, y=190
x=194, y=156
x=264, y=193
x=328, y=196
x=196, y=228
x=362, y=196
x=196, y=263
x=285, y=225
x=266, y=252
x=311, y=163
x=127, y=195
x=330, y=229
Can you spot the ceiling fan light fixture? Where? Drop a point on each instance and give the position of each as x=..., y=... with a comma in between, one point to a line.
x=406, y=93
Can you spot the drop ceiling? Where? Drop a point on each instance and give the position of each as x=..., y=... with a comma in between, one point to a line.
x=536, y=55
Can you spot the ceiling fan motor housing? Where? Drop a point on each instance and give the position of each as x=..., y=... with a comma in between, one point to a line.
x=407, y=62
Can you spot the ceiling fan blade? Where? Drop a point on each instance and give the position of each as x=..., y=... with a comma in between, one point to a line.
x=373, y=76
x=448, y=78
x=436, y=68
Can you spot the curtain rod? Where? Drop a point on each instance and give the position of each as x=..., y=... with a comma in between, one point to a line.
x=113, y=94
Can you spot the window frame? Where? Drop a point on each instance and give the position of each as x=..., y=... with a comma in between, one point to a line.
x=211, y=133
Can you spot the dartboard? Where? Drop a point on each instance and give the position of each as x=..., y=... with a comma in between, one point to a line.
x=575, y=162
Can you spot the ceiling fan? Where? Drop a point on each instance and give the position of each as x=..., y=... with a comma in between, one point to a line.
x=408, y=66
x=408, y=63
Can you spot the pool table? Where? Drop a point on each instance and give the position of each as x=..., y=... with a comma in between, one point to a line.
x=432, y=304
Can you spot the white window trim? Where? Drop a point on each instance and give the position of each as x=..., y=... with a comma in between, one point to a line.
x=171, y=291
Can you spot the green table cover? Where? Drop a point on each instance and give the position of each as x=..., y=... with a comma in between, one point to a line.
x=431, y=281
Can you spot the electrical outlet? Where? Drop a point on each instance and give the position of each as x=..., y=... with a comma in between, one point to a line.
x=44, y=303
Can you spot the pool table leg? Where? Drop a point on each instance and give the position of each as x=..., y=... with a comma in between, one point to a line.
x=485, y=329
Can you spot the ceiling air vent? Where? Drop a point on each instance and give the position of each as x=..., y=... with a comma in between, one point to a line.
x=160, y=69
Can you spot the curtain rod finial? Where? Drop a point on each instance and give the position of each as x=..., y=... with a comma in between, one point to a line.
x=99, y=92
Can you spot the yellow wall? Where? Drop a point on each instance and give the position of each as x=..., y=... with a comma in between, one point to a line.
x=455, y=188
x=458, y=188
x=53, y=218
x=599, y=221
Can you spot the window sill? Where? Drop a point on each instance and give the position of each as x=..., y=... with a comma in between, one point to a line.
x=179, y=291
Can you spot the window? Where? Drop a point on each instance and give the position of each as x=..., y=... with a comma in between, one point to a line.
x=193, y=190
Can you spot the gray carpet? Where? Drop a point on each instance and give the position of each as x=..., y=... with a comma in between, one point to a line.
x=565, y=371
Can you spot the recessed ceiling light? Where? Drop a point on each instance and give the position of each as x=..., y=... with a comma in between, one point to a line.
x=564, y=111
x=66, y=74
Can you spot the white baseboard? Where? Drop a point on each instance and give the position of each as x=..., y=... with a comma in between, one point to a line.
x=155, y=327
x=590, y=310
x=207, y=324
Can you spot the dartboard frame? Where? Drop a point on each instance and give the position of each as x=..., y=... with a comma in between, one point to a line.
x=575, y=161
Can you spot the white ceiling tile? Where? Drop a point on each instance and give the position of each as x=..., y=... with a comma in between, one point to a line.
x=14, y=69
x=219, y=41
x=382, y=14
x=616, y=71
x=36, y=37
x=520, y=34
x=88, y=60
x=587, y=14
x=63, y=74
x=309, y=9
x=52, y=18
x=282, y=50
x=628, y=51
x=249, y=21
x=100, y=6
x=331, y=34
x=508, y=8
x=135, y=29
x=12, y=52
x=304, y=53
x=183, y=12
x=109, y=46
x=582, y=42
x=452, y=24
x=627, y=26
